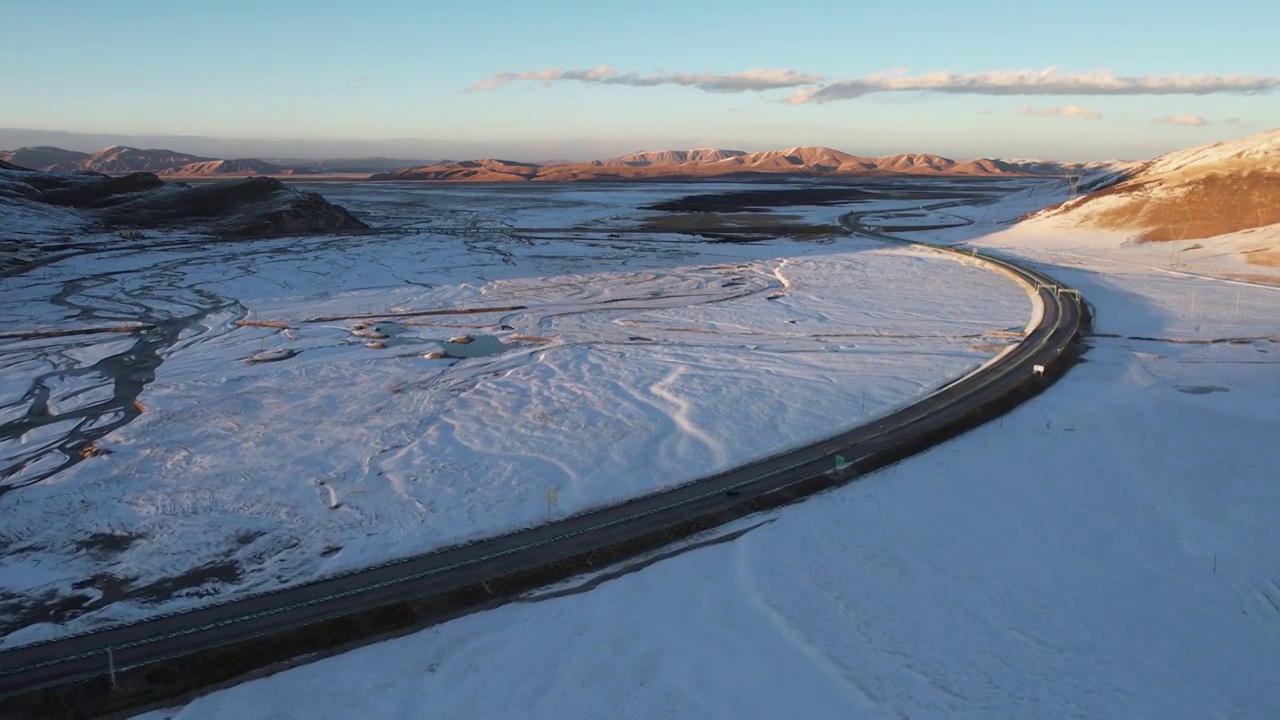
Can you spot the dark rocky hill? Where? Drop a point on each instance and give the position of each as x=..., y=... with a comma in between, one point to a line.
x=251, y=207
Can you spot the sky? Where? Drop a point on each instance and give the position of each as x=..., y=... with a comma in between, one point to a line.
x=574, y=79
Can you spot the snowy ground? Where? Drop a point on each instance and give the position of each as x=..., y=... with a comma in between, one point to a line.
x=1106, y=550
x=612, y=367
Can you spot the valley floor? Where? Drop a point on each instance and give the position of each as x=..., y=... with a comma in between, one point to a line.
x=299, y=423
x=1107, y=549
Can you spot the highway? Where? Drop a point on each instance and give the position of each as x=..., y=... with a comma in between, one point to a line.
x=719, y=498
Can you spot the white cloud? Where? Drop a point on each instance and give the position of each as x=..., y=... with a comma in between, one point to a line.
x=813, y=88
x=1035, y=82
x=1075, y=111
x=1187, y=120
x=750, y=80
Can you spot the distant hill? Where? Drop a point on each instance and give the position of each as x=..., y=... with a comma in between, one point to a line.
x=486, y=170
x=114, y=160
x=372, y=164
x=712, y=162
x=226, y=167
x=990, y=166
x=44, y=158
x=121, y=160
x=1192, y=194
x=672, y=157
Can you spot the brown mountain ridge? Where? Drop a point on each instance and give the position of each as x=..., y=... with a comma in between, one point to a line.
x=707, y=162
x=656, y=165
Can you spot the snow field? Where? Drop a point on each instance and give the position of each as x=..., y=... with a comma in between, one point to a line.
x=1105, y=550
x=628, y=366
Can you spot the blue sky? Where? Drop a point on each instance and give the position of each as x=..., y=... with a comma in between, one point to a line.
x=376, y=71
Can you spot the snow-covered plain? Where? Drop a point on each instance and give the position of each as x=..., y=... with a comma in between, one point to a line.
x=611, y=367
x=1108, y=549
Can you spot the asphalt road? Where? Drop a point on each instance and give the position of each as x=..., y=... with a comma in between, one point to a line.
x=78, y=657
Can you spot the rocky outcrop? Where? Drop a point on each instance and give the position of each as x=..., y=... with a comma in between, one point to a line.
x=88, y=190
x=253, y=207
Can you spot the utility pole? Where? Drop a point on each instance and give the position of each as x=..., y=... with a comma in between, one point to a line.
x=111, y=666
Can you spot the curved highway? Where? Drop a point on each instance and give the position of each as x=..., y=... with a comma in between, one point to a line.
x=30, y=675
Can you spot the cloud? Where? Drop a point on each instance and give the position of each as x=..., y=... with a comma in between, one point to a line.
x=1234, y=121
x=814, y=88
x=1034, y=82
x=1065, y=111
x=751, y=80
x=358, y=83
x=1187, y=120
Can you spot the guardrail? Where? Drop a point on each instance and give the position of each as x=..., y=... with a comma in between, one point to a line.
x=164, y=657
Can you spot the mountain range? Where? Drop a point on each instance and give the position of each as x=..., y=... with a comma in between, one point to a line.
x=713, y=162
x=660, y=164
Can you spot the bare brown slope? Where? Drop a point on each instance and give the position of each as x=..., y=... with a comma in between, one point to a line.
x=1190, y=194
x=1198, y=208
